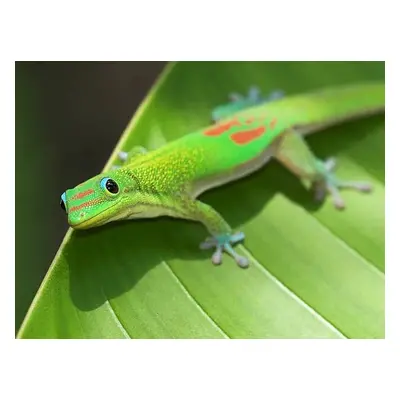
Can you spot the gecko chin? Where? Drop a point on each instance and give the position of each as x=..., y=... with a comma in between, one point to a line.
x=81, y=221
x=89, y=223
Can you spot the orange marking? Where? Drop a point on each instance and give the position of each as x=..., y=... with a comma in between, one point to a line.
x=244, y=137
x=250, y=120
x=86, y=204
x=273, y=123
x=220, y=129
x=82, y=194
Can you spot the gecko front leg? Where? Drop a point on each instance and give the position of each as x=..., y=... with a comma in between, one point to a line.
x=222, y=236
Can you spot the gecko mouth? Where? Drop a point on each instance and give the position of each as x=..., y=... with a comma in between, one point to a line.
x=94, y=221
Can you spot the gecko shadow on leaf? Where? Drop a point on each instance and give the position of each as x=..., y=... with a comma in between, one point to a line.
x=108, y=261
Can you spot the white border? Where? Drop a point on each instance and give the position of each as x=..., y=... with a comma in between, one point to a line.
x=172, y=30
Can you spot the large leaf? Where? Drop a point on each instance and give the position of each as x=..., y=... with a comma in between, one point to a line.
x=315, y=272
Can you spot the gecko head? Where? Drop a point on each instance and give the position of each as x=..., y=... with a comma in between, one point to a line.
x=98, y=200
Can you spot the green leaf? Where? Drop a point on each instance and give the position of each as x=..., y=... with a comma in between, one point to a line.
x=315, y=272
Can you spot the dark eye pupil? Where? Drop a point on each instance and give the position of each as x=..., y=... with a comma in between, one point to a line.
x=112, y=186
x=62, y=204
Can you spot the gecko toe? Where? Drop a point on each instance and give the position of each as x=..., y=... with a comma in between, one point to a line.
x=217, y=257
x=360, y=186
x=365, y=187
x=209, y=243
x=243, y=262
x=237, y=237
x=224, y=243
x=330, y=164
x=123, y=155
x=234, y=97
x=339, y=204
x=254, y=93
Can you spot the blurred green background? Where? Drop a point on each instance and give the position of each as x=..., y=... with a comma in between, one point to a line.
x=64, y=111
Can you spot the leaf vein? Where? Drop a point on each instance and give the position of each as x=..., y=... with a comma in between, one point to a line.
x=117, y=320
x=293, y=295
x=192, y=298
x=348, y=247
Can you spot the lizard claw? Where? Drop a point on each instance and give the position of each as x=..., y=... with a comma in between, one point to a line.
x=224, y=243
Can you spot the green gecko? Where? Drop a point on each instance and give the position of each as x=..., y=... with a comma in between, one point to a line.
x=168, y=180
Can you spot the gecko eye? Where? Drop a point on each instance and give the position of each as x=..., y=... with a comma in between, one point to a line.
x=63, y=201
x=110, y=185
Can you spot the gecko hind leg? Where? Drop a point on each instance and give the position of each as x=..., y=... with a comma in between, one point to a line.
x=295, y=154
x=224, y=243
x=332, y=185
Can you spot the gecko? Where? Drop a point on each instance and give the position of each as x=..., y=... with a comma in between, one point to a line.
x=168, y=180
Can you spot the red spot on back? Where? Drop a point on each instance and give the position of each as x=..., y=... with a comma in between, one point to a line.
x=273, y=123
x=244, y=137
x=83, y=194
x=220, y=129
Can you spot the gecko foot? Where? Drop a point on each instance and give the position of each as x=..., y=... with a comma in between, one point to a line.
x=239, y=102
x=254, y=96
x=332, y=185
x=224, y=243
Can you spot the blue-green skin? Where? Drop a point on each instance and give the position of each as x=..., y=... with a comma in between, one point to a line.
x=168, y=180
